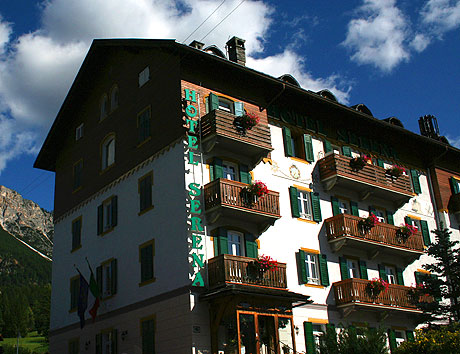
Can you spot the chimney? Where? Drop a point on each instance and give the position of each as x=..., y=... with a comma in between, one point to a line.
x=236, y=50
x=197, y=45
x=429, y=126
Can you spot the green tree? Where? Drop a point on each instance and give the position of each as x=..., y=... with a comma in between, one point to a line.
x=433, y=340
x=17, y=314
x=438, y=295
x=41, y=310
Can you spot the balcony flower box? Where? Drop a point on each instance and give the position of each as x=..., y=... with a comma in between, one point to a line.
x=358, y=163
x=375, y=287
x=395, y=171
x=245, y=122
x=253, y=192
x=404, y=232
x=260, y=266
x=366, y=225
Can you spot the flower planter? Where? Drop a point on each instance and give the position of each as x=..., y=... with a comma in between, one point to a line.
x=245, y=122
x=358, y=163
x=366, y=225
x=375, y=287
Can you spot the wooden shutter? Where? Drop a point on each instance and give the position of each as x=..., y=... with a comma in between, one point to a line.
x=346, y=151
x=114, y=208
x=454, y=185
x=408, y=220
x=380, y=163
x=217, y=171
x=99, y=343
x=354, y=208
x=100, y=219
x=245, y=176
x=251, y=246
x=147, y=263
x=114, y=280
x=223, y=241
x=343, y=268
x=316, y=207
x=410, y=336
x=308, y=143
x=414, y=175
x=392, y=340
x=309, y=338
x=99, y=278
x=418, y=278
x=335, y=206
x=327, y=146
x=390, y=218
x=287, y=139
x=363, y=269
x=239, y=108
x=323, y=271
x=148, y=337
x=371, y=209
x=302, y=267
x=213, y=101
x=382, y=272
x=114, y=341
x=399, y=276
x=425, y=232
x=293, y=194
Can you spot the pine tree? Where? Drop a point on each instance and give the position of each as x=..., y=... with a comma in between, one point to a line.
x=348, y=341
x=438, y=295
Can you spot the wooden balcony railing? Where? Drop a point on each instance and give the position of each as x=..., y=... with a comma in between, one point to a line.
x=335, y=165
x=353, y=291
x=226, y=193
x=344, y=225
x=236, y=269
x=220, y=123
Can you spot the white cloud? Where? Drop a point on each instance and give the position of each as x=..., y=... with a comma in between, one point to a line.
x=441, y=15
x=420, y=42
x=37, y=69
x=454, y=141
x=378, y=36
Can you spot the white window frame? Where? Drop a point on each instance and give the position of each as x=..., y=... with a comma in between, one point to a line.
x=226, y=105
x=144, y=76
x=391, y=274
x=305, y=208
x=106, y=342
x=353, y=268
x=344, y=206
x=235, y=240
x=380, y=214
x=104, y=107
x=79, y=132
x=400, y=336
x=107, y=279
x=318, y=330
x=226, y=170
x=312, y=268
x=108, y=152
x=107, y=207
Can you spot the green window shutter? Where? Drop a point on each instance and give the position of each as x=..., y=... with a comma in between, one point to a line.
x=302, y=267
x=293, y=194
x=418, y=278
x=343, y=268
x=425, y=232
x=287, y=138
x=148, y=337
x=346, y=150
x=454, y=185
x=309, y=338
x=223, y=240
x=114, y=341
x=251, y=246
x=380, y=163
x=335, y=206
x=392, y=340
x=99, y=277
x=239, y=108
x=213, y=102
x=382, y=272
x=114, y=210
x=114, y=280
x=99, y=343
x=245, y=176
x=327, y=146
x=100, y=219
x=146, y=263
x=218, y=171
x=316, y=207
x=410, y=336
x=408, y=220
x=399, y=276
x=371, y=209
x=354, y=208
x=363, y=269
x=414, y=175
x=323, y=271
x=308, y=143
x=390, y=218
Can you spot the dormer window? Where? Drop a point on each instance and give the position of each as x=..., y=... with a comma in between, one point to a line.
x=108, y=152
x=79, y=132
x=104, y=107
x=144, y=76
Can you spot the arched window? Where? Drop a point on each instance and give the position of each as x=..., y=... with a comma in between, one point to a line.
x=104, y=107
x=108, y=152
x=114, y=98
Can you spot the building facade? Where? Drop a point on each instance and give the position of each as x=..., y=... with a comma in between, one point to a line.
x=155, y=179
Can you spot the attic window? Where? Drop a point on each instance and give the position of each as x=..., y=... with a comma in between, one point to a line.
x=79, y=132
x=144, y=76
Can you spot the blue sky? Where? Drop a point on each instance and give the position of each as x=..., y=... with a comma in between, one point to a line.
x=400, y=58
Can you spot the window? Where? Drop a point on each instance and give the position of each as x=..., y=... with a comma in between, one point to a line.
x=298, y=145
x=234, y=242
x=77, y=174
x=104, y=107
x=144, y=187
x=107, y=215
x=380, y=214
x=305, y=204
x=74, y=292
x=225, y=169
x=74, y=346
x=352, y=268
x=76, y=233
x=148, y=336
x=312, y=268
x=143, y=125
x=313, y=333
x=225, y=104
x=422, y=226
x=108, y=152
x=144, y=76
x=106, y=342
x=397, y=336
x=340, y=206
x=454, y=185
x=146, y=256
x=114, y=98
x=79, y=132
x=106, y=275
x=391, y=274
x=230, y=170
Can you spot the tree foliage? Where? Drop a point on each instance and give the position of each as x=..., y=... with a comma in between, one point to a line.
x=438, y=295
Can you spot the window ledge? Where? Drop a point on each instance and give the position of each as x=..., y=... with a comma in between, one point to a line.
x=107, y=231
x=106, y=169
x=315, y=286
x=75, y=249
x=308, y=221
x=300, y=160
x=147, y=282
x=145, y=210
x=144, y=142
x=77, y=189
x=108, y=297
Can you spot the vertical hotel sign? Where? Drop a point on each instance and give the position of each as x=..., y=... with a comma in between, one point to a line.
x=194, y=193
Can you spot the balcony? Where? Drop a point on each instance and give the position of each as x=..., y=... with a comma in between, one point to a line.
x=343, y=232
x=335, y=172
x=219, y=135
x=224, y=198
x=350, y=294
x=228, y=269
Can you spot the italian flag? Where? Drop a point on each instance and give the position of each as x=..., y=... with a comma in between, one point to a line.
x=94, y=288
